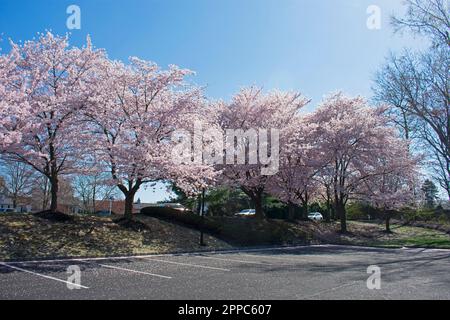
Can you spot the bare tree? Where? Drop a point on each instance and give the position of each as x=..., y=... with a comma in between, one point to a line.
x=387, y=91
x=91, y=188
x=2, y=185
x=41, y=193
x=416, y=85
x=18, y=179
x=429, y=18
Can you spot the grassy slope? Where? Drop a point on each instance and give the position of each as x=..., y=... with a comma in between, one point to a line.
x=372, y=234
x=26, y=236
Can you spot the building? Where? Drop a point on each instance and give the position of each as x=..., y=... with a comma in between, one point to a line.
x=23, y=203
x=117, y=206
x=69, y=208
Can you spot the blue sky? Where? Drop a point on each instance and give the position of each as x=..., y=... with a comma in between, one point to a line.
x=314, y=47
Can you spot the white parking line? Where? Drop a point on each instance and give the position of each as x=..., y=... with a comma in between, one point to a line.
x=234, y=260
x=43, y=276
x=134, y=271
x=278, y=258
x=124, y=269
x=231, y=251
x=187, y=264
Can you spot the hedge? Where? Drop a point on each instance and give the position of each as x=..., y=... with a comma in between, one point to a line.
x=246, y=231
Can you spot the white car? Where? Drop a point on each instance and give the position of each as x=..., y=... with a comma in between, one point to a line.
x=246, y=212
x=315, y=216
x=176, y=206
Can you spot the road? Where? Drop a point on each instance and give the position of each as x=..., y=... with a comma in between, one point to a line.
x=310, y=272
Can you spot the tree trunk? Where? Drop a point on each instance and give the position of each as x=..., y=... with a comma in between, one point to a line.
x=257, y=197
x=305, y=211
x=45, y=195
x=129, y=194
x=54, y=193
x=305, y=205
x=199, y=205
x=94, y=194
x=340, y=211
x=14, y=202
x=328, y=215
x=259, y=212
x=388, y=222
x=129, y=200
x=291, y=211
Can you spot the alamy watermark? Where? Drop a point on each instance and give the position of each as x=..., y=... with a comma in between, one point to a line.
x=231, y=147
x=74, y=278
x=74, y=19
x=374, y=280
x=373, y=22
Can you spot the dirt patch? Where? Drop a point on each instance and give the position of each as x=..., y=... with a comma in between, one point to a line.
x=131, y=224
x=54, y=216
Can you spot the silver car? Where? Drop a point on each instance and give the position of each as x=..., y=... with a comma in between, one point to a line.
x=246, y=212
x=315, y=216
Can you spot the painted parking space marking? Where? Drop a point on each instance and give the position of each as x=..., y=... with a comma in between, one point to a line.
x=187, y=264
x=231, y=251
x=135, y=271
x=128, y=270
x=233, y=260
x=43, y=275
x=271, y=257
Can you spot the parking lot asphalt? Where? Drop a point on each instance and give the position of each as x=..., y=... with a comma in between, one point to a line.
x=307, y=272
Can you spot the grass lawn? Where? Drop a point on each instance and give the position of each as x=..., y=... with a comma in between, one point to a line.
x=372, y=234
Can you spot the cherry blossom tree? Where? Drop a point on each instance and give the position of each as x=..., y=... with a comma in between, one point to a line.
x=137, y=110
x=249, y=111
x=352, y=137
x=393, y=187
x=324, y=190
x=44, y=84
x=296, y=183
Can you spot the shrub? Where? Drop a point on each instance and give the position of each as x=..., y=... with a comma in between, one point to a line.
x=317, y=207
x=187, y=218
x=275, y=209
x=425, y=214
x=443, y=219
x=362, y=211
x=227, y=201
x=408, y=214
x=246, y=231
